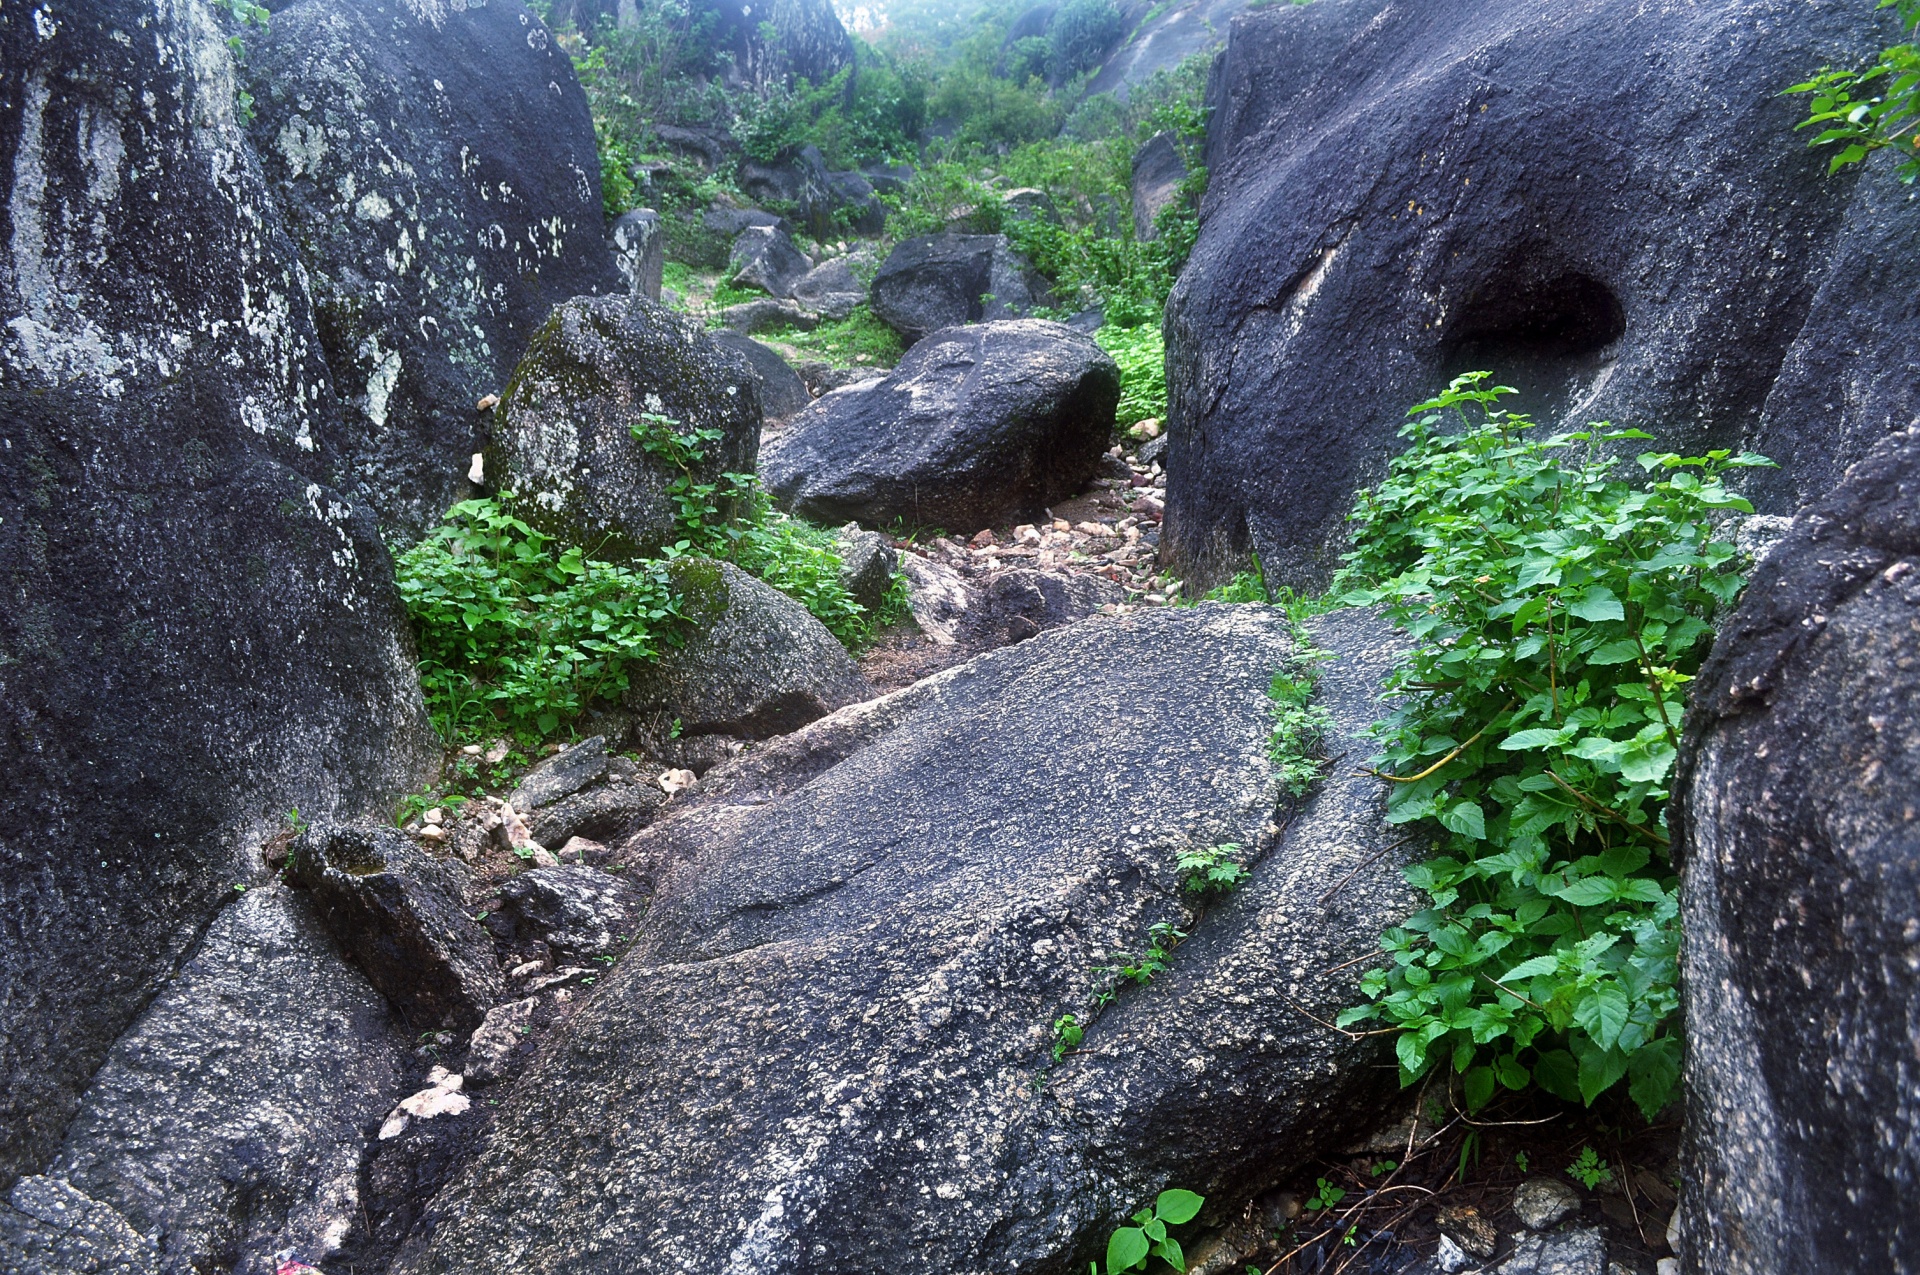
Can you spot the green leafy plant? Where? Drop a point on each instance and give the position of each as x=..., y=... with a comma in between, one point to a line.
x=1299, y=725
x=1871, y=109
x=1162, y=938
x=1067, y=1035
x=859, y=339
x=1140, y=353
x=1558, y=611
x=1129, y=1247
x=295, y=823
x=1325, y=1196
x=1520, y=1160
x=1589, y=1170
x=1204, y=869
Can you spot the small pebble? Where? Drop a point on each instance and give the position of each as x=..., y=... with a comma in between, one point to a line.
x=1539, y=1202
x=436, y=815
x=487, y=403
x=471, y=750
x=433, y=832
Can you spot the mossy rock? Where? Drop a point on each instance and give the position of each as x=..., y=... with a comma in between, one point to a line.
x=563, y=437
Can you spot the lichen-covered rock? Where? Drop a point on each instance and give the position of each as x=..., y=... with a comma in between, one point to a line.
x=435, y=164
x=400, y=916
x=640, y=250
x=935, y=281
x=229, y=1122
x=1017, y=605
x=1800, y=895
x=562, y=775
x=754, y=664
x=197, y=632
x=578, y=911
x=831, y=289
x=564, y=439
x=1158, y=172
x=975, y=427
x=1398, y=193
x=834, y=1033
x=613, y=809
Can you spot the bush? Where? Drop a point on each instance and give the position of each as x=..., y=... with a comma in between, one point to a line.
x=1141, y=354
x=1560, y=611
x=1079, y=36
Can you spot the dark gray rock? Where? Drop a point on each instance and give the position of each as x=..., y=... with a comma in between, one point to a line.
x=768, y=315
x=975, y=427
x=1158, y=171
x=855, y=206
x=756, y=664
x=229, y=1122
x=564, y=439
x=831, y=288
x=935, y=281
x=1582, y=1251
x=435, y=164
x=197, y=631
x=578, y=911
x=49, y=1228
x=1016, y=605
x=562, y=775
x=886, y=972
x=1801, y=871
x=798, y=182
x=1540, y=1202
x=1160, y=38
x=1026, y=203
x=599, y=814
x=640, y=250
x=888, y=179
x=500, y=1045
x=766, y=259
x=401, y=916
x=1544, y=247
x=732, y=221
x=867, y=564
x=782, y=392
x=821, y=378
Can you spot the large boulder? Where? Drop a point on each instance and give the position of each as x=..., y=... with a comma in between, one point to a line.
x=834, y=1033
x=831, y=288
x=936, y=281
x=977, y=426
x=1801, y=898
x=229, y=1123
x=764, y=258
x=1160, y=38
x=435, y=165
x=1556, y=209
x=564, y=440
x=776, y=41
x=755, y=663
x=782, y=392
x=198, y=633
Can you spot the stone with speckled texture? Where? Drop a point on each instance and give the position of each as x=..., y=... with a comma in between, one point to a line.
x=1398, y=193
x=1799, y=791
x=434, y=161
x=829, y=1048
x=197, y=631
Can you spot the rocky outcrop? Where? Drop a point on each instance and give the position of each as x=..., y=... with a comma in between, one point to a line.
x=1158, y=172
x=640, y=250
x=229, y=1123
x=435, y=165
x=579, y=912
x=976, y=426
x=564, y=440
x=1522, y=189
x=399, y=915
x=936, y=281
x=773, y=41
x=198, y=632
x=1801, y=870
x=887, y=969
x=1161, y=37
x=831, y=289
x=867, y=565
x=754, y=664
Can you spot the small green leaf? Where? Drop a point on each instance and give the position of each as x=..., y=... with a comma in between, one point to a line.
x=1465, y=818
x=1126, y=1249
x=1599, y=603
x=1177, y=1206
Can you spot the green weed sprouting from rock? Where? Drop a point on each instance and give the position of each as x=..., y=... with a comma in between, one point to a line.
x=1207, y=869
x=1299, y=724
x=1875, y=108
x=1588, y=1169
x=1129, y=1247
x=1162, y=938
x=1559, y=612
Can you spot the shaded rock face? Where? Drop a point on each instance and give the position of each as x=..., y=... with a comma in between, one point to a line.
x=782, y=392
x=640, y=250
x=936, y=281
x=1469, y=184
x=1160, y=38
x=577, y=911
x=766, y=259
x=975, y=427
x=832, y=288
x=564, y=440
x=229, y=1123
x=886, y=971
x=774, y=40
x=197, y=632
x=400, y=915
x=435, y=164
x=755, y=664
x=1158, y=171
x=49, y=1228
x=1018, y=605
x=867, y=564
x=1801, y=873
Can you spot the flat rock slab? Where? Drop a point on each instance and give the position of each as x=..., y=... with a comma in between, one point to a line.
x=830, y=1047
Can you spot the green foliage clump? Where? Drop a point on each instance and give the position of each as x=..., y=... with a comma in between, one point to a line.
x=843, y=341
x=1142, y=357
x=1872, y=109
x=1299, y=725
x=515, y=630
x=1162, y=938
x=1589, y=1170
x=1129, y=1247
x=869, y=111
x=1559, y=611
x=1207, y=869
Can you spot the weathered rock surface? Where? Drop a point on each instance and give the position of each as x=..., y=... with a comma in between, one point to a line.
x=1582, y=1251
x=197, y=631
x=1160, y=38
x=228, y=1124
x=831, y=289
x=1522, y=227
x=495, y=1052
x=885, y=971
x=976, y=426
x=1020, y=604
x=435, y=165
x=1801, y=897
x=578, y=911
x=608, y=810
x=400, y=915
x=768, y=314
x=867, y=564
x=640, y=250
x=782, y=392
x=1539, y=1202
x=776, y=40
x=756, y=664
x=766, y=259
x=1158, y=171
x=564, y=435
x=562, y=775
x=935, y=281
x=49, y=1228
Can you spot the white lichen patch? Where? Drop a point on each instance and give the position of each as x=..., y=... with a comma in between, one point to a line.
x=303, y=144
